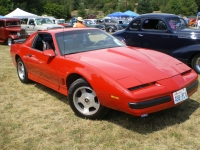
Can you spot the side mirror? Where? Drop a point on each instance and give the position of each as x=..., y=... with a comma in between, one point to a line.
x=49, y=53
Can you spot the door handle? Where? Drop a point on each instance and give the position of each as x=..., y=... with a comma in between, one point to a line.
x=140, y=34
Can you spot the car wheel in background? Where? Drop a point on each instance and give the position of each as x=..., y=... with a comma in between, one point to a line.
x=84, y=102
x=110, y=29
x=9, y=41
x=22, y=72
x=196, y=63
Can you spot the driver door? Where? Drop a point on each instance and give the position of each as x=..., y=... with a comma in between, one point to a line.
x=30, y=26
x=42, y=68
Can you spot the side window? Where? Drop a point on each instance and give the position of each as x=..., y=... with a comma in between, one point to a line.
x=100, y=21
x=1, y=23
x=31, y=22
x=24, y=20
x=161, y=25
x=150, y=24
x=135, y=25
x=43, y=42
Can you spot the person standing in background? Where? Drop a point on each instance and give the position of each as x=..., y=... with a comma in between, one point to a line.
x=79, y=23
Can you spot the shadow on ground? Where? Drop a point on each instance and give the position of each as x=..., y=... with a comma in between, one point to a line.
x=154, y=122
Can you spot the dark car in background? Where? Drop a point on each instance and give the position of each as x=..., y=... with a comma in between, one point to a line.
x=166, y=33
x=10, y=30
x=91, y=23
x=123, y=23
x=111, y=25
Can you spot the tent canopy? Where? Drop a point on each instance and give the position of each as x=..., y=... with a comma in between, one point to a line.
x=131, y=13
x=118, y=14
x=18, y=13
x=1, y=16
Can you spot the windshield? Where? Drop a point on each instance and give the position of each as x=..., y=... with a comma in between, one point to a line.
x=12, y=23
x=40, y=21
x=177, y=23
x=61, y=21
x=85, y=40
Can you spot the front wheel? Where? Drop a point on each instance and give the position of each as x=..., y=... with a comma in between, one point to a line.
x=196, y=63
x=84, y=102
x=22, y=72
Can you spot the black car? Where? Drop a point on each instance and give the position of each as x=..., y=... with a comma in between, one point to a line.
x=166, y=33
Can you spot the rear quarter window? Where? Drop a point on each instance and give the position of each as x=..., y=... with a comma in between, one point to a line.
x=135, y=25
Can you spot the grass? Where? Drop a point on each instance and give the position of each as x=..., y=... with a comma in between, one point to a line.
x=34, y=117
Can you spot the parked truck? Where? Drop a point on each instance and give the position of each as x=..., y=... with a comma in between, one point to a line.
x=36, y=24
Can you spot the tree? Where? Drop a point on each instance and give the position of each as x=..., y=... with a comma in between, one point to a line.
x=198, y=4
x=175, y=7
x=121, y=5
x=56, y=10
x=155, y=5
x=6, y=6
x=144, y=6
x=81, y=11
x=188, y=7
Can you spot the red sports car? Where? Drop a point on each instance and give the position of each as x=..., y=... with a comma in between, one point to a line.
x=97, y=72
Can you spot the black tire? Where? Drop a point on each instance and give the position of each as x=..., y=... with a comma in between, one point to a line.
x=110, y=30
x=22, y=72
x=84, y=102
x=196, y=63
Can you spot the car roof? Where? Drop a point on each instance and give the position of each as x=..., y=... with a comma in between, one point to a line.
x=163, y=15
x=9, y=19
x=53, y=31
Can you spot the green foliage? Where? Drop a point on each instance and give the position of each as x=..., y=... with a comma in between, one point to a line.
x=188, y=7
x=155, y=5
x=56, y=10
x=198, y=4
x=144, y=6
x=122, y=5
x=3, y=10
x=175, y=7
x=81, y=11
x=6, y=6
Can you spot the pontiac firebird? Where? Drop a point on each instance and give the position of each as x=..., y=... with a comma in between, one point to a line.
x=97, y=72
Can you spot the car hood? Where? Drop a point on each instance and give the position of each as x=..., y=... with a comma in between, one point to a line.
x=16, y=29
x=125, y=62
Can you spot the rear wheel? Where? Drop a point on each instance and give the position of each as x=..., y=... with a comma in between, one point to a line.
x=9, y=41
x=22, y=72
x=196, y=63
x=84, y=102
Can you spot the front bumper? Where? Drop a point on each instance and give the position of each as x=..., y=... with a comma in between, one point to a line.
x=161, y=100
